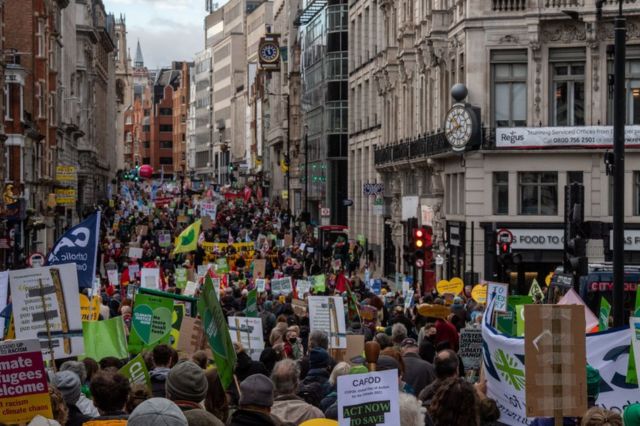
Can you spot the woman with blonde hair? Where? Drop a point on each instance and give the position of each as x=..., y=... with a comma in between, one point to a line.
x=597, y=416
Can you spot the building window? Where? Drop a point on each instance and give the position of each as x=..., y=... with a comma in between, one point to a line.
x=146, y=144
x=636, y=193
x=166, y=144
x=7, y=101
x=166, y=160
x=632, y=74
x=52, y=111
x=146, y=128
x=166, y=128
x=500, y=193
x=147, y=112
x=337, y=116
x=146, y=160
x=40, y=100
x=538, y=193
x=166, y=111
x=567, y=88
x=509, y=74
x=40, y=38
x=575, y=177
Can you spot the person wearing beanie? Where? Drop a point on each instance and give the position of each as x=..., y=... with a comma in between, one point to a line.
x=202, y=418
x=84, y=404
x=157, y=412
x=187, y=386
x=68, y=383
x=256, y=400
x=315, y=386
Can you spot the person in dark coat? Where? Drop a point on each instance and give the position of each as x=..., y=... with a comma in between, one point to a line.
x=162, y=355
x=417, y=372
x=315, y=386
x=254, y=407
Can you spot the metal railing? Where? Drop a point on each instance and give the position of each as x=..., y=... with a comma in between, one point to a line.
x=508, y=5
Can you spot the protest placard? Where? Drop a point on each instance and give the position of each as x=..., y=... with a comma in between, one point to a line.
x=326, y=313
x=319, y=283
x=355, y=346
x=150, y=278
x=181, y=277
x=555, y=361
x=89, y=310
x=479, y=293
x=303, y=287
x=261, y=285
x=57, y=288
x=136, y=371
x=471, y=347
x=105, y=338
x=135, y=252
x=299, y=307
x=259, y=266
x=179, y=312
x=112, y=274
x=281, y=286
x=450, y=287
x=499, y=292
x=164, y=238
x=134, y=270
x=150, y=323
x=376, y=285
x=248, y=332
x=434, y=311
x=369, y=399
x=208, y=209
x=190, y=288
x=24, y=393
x=191, y=336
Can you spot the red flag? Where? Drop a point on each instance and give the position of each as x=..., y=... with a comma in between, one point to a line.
x=341, y=283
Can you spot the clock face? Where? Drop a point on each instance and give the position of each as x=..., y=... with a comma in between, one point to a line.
x=269, y=52
x=458, y=127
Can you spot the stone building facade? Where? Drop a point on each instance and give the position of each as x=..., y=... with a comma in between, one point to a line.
x=539, y=79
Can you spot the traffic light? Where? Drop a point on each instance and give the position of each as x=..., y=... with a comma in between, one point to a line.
x=504, y=253
x=576, y=261
x=577, y=256
x=422, y=246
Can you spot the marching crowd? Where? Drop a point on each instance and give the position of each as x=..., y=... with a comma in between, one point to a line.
x=295, y=378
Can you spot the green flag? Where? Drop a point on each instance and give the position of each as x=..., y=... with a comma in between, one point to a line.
x=181, y=277
x=104, y=338
x=252, y=304
x=603, y=320
x=150, y=323
x=136, y=371
x=319, y=284
x=217, y=332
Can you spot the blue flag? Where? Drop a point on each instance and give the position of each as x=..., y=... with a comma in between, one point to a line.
x=79, y=245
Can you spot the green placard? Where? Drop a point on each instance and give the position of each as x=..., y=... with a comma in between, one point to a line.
x=319, y=283
x=104, y=338
x=603, y=318
x=181, y=278
x=519, y=320
x=252, y=304
x=513, y=301
x=136, y=371
x=504, y=322
x=632, y=375
x=150, y=323
x=221, y=265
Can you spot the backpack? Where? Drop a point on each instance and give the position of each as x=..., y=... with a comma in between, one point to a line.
x=311, y=392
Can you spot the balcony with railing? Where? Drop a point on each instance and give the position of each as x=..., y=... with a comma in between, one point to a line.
x=553, y=6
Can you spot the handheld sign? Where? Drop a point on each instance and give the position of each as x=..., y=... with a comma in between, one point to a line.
x=369, y=399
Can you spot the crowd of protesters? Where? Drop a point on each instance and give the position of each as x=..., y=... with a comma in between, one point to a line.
x=295, y=378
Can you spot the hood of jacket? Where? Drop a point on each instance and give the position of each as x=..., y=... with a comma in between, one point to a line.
x=159, y=374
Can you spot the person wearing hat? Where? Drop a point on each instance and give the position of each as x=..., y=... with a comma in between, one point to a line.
x=187, y=386
x=157, y=412
x=254, y=406
x=417, y=372
x=68, y=383
x=631, y=414
x=84, y=404
x=315, y=385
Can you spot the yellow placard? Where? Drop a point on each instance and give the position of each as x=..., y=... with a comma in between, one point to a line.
x=455, y=286
x=89, y=312
x=20, y=409
x=479, y=293
x=434, y=311
x=548, y=279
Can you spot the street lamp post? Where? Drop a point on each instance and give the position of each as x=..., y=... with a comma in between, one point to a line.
x=619, y=119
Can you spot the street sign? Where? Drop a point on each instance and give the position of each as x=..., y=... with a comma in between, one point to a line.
x=36, y=260
x=325, y=212
x=419, y=263
x=504, y=236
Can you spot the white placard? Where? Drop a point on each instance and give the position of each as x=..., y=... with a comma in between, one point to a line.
x=190, y=289
x=208, y=208
x=112, y=274
x=426, y=215
x=326, y=313
x=281, y=286
x=261, y=284
x=560, y=137
x=150, y=278
x=372, y=396
x=537, y=239
x=135, y=252
x=302, y=287
x=500, y=292
x=4, y=291
x=248, y=332
x=60, y=290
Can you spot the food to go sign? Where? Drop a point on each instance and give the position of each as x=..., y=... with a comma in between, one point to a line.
x=537, y=239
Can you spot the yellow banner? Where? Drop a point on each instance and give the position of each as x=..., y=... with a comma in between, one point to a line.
x=246, y=249
x=66, y=174
x=66, y=197
x=23, y=408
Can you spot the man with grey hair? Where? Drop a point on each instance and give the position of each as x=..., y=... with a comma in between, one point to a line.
x=398, y=334
x=317, y=339
x=287, y=406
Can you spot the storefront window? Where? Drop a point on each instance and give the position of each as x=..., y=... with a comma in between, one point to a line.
x=567, y=95
x=538, y=193
x=500, y=193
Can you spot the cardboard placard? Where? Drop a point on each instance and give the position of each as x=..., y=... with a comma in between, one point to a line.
x=288, y=240
x=191, y=336
x=555, y=361
x=369, y=399
x=261, y=285
x=303, y=287
x=142, y=230
x=89, y=311
x=259, y=267
x=355, y=346
x=299, y=307
x=206, y=223
x=135, y=252
x=25, y=393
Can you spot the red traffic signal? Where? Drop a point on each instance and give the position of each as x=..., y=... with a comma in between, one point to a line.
x=505, y=248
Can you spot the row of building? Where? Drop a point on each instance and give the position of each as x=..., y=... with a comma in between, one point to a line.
x=57, y=140
x=357, y=126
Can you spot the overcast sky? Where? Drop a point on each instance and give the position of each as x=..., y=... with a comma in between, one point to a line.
x=168, y=30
